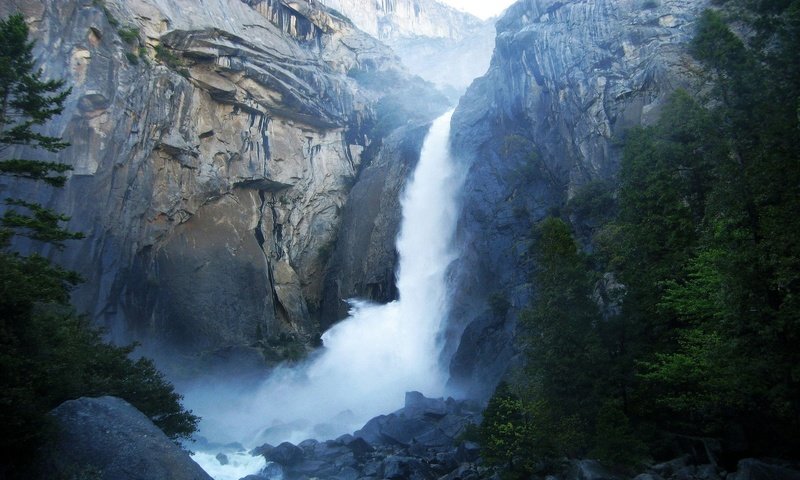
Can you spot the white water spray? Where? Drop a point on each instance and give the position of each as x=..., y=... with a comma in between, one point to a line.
x=377, y=354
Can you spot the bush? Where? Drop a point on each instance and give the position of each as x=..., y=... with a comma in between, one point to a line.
x=129, y=35
x=165, y=56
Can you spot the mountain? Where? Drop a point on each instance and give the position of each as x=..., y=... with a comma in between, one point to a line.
x=214, y=144
x=566, y=80
x=435, y=41
x=391, y=20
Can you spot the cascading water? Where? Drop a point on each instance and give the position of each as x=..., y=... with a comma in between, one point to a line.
x=379, y=352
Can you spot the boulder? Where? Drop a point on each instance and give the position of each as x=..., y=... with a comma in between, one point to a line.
x=286, y=454
x=112, y=440
x=590, y=470
x=757, y=469
x=417, y=404
x=405, y=468
x=468, y=452
x=359, y=447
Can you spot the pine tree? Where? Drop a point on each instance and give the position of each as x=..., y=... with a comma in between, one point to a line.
x=49, y=353
x=26, y=103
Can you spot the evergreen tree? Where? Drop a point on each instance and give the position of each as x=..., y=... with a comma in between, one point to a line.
x=48, y=353
x=563, y=351
x=26, y=102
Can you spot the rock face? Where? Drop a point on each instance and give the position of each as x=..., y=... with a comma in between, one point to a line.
x=440, y=44
x=390, y=20
x=365, y=259
x=213, y=151
x=450, y=63
x=567, y=77
x=107, y=438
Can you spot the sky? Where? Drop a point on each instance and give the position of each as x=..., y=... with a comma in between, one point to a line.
x=480, y=8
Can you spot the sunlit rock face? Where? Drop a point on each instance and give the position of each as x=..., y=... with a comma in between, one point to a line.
x=212, y=154
x=566, y=79
x=435, y=41
x=390, y=20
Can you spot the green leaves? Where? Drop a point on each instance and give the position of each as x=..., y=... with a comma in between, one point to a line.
x=706, y=250
x=26, y=101
x=42, y=224
x=35, y=170
x=49, y=354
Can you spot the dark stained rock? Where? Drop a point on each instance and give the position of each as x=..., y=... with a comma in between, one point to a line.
x=567, y=78
x=359, y=447
x=757, y=469
x=262, y=450
x=371, y=431
x=468, y=452
x=590, y=470
x=405, y=468
x=417, y=404
x=109, y=437
x=286, y=454
x=364, y=262
x=403, y=430
x=415, y=442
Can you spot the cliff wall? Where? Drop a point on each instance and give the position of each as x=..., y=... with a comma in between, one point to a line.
x=566, y=80
x=214, y=144
x=389, y=20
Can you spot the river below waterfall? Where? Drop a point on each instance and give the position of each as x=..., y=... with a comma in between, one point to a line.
x=369, y=360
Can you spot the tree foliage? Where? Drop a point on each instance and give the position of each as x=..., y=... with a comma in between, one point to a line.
x=706, y=241
x=48, y=353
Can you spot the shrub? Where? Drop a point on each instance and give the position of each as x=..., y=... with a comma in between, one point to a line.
x=129, y=35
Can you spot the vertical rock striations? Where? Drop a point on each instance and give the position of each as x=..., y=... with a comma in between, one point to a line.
x=389, y=20
x=435, y=41
x=566, y=79
x=214, y=146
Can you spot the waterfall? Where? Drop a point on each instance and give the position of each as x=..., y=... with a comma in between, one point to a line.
x=378, y=353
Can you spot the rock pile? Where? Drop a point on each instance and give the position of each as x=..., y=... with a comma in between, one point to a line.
x=423, y=440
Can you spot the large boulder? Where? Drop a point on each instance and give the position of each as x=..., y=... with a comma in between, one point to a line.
x=758, y=469
x=107, y=438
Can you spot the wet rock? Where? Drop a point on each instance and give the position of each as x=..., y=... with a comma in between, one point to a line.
x=468, y=452
x=566, y=79
x=222, y=459
x=757, y=469
x=405, y=468
x=591, y=470
x=359, y=447
x=262, y=450
x=417, y=404
x=648, y=476
x=410, y=443
x=286, y=454
x=669, y=468
x=404, y=431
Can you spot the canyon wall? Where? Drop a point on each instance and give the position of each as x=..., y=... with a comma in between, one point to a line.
x=566, y=80
x=214, y=145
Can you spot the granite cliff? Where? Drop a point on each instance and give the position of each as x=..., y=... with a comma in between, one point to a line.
x=435, y=41
x=214, y=144
x=567, y=78
x=390, y=20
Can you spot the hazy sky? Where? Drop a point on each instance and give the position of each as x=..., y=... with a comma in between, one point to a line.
x=480, y=8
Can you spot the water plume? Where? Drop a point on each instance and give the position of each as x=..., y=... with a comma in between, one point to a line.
x=370, y=359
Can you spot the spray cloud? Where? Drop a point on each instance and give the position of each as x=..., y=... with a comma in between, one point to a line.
x=377, y=354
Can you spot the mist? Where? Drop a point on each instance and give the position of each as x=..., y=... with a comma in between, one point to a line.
x=373, y=357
